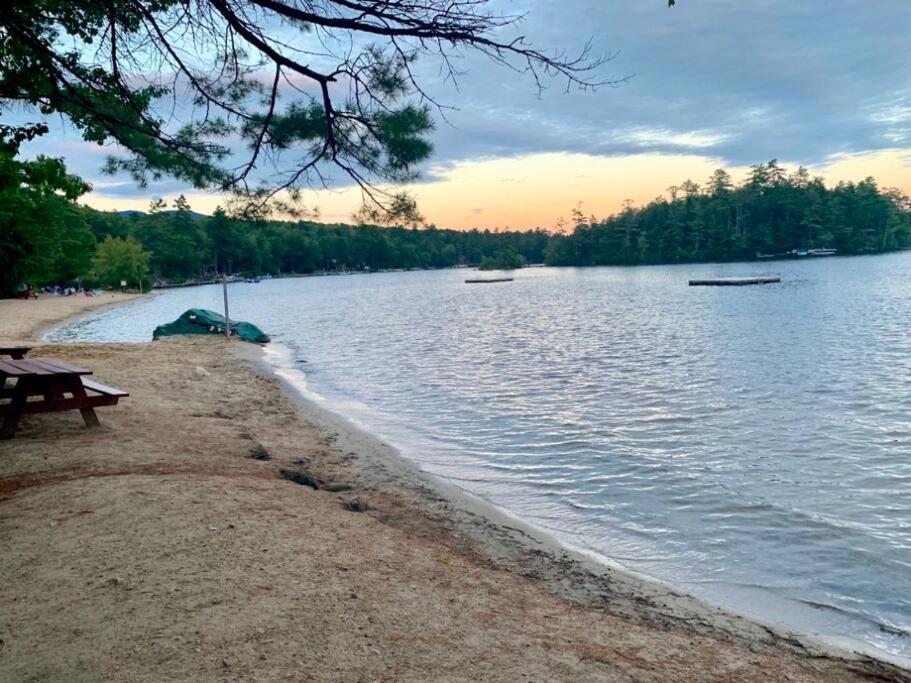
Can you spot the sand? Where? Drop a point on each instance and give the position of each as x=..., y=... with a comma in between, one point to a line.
x=21, y=319
x=155, y=548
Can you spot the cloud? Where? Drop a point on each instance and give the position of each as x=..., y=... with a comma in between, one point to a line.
x=662, y=138
x=896, y=113
x=735, y=82
x=749, y=81
x=895, y=119
x=128, y=189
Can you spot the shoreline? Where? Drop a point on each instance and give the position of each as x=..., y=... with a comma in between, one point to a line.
x=24, y=322
x=41, y=332
x=511, y=541
x=415, y=509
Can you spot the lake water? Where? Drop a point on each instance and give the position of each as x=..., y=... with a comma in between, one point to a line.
x=751, y=446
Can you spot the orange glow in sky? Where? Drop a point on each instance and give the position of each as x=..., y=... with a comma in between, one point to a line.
x=538, y=190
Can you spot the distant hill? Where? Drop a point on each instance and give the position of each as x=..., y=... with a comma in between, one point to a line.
x=132, y=213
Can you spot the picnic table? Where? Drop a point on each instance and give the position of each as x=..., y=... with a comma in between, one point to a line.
x=15, y=351
x=56, y=385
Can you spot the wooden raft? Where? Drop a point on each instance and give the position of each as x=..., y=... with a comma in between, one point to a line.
x=734, y=281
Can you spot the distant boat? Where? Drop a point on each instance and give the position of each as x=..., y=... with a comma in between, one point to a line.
x=253, y=280
x=485, y=281
x=823, y=252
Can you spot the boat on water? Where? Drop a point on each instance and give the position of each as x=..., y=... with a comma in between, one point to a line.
x=799, y=253
x=478, y=281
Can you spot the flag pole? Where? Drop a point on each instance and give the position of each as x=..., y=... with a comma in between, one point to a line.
x=224, y=289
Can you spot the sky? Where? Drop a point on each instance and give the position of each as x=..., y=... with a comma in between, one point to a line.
x=709, y=84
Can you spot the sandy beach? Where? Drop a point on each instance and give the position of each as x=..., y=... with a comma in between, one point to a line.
x=21, y=318
x=219, y=528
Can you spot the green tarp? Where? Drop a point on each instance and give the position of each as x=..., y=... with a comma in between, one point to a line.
x=202, y=321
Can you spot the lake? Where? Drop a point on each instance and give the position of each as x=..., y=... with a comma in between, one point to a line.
x=749, y=445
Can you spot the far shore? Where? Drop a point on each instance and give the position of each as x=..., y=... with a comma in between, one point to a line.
x=219, y=527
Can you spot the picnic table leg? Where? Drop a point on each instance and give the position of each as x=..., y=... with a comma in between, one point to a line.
x=53, y=393
x=11, y=420
x=88, y=414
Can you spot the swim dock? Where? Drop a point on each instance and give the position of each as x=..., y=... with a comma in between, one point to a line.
x=733, y=281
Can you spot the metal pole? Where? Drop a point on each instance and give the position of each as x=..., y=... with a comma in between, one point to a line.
x=224, y=289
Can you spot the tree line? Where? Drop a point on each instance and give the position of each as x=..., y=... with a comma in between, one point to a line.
x=186, y=245
x=46, y=237
x=771, y=213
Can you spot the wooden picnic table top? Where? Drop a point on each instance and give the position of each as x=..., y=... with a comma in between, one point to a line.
x=39, y=366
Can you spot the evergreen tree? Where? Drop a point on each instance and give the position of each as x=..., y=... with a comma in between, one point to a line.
x=772, y=212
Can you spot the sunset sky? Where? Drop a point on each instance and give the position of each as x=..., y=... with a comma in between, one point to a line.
x=713, y=83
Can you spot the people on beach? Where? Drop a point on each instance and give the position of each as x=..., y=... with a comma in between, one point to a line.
x=26, y=291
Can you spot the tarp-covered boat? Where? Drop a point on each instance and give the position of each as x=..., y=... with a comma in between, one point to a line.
x=203, y=321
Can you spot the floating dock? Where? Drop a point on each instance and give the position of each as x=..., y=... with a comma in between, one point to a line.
x=734, y=281
x=496, y=279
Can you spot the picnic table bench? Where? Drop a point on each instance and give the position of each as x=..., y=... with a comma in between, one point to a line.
x=46, y=385
x=16, y=352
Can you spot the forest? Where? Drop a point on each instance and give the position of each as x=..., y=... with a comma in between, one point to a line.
x=47, y=237
x=771, y=212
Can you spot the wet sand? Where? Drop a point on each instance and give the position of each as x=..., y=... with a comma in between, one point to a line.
x=156, y=548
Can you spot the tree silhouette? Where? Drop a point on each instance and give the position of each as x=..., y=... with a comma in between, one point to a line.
x=258, y=96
